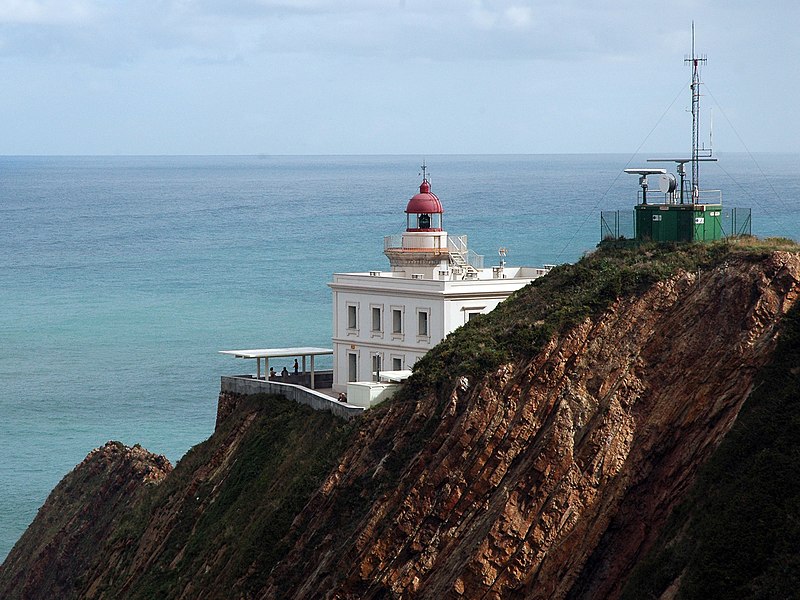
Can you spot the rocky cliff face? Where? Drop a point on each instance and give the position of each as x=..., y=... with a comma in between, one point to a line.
x=550, y=476
x=79, y=517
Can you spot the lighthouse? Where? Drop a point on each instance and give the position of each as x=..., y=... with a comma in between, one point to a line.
x=387, y=320
x=422, y=250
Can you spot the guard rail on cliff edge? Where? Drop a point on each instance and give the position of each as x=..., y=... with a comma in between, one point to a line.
x=247, y=385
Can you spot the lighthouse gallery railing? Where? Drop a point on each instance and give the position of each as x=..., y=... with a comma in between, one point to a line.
x=455, y=244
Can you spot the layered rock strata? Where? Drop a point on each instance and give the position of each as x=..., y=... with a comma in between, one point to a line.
x=77, y=521
x=549, y=479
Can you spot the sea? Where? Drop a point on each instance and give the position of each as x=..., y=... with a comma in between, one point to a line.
x=122, y=277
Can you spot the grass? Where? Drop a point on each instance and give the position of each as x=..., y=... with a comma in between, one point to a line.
x=240, y=517
x=519, y=327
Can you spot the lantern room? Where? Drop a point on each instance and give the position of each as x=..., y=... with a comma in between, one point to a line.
x=424, y=210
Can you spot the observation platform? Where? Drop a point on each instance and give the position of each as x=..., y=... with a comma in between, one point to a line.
x=301, y=377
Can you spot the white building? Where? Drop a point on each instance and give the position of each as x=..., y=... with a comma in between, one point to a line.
x=387, y=320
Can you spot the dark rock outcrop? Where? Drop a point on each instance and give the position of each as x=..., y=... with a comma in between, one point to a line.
x=77, y=521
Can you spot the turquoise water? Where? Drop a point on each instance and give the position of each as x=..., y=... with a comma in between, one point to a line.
x=121, y=278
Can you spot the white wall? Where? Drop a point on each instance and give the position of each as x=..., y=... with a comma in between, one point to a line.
x=447, y=303
x=365, y=342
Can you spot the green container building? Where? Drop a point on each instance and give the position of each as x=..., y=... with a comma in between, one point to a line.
x=684, y=213
x=679, y=222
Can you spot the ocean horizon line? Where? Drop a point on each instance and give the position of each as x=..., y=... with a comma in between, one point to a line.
x=389, y=155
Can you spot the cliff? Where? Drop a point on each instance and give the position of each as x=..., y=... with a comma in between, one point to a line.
x=550, y=449
x=52, y=557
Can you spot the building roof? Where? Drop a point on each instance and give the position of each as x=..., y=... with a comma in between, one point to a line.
x=278, y=352
x=401, y=375
x=425, y=202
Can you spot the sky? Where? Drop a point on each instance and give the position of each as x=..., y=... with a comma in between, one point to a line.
x=418, y=77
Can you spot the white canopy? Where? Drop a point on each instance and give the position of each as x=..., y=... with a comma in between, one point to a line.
x=278, y=352
x=267, y=353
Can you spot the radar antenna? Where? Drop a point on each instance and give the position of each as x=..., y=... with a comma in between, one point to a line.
x=695, y=61
x=698, y=154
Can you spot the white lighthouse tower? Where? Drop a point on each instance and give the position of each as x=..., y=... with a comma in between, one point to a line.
x=387, y=320
x=423, y=249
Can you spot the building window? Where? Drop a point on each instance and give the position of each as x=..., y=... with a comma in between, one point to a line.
x=470, y=312
x=352, y=316
x=352, y=366
x=397, y=363
x=377, y=319
x=397, y=321
x=422, y=323
x=377, y=360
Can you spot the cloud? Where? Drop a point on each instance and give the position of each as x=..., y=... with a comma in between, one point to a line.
x=519, y=17
x=515, y=16
x=481, y=17
x=262, y=8
x=45, y=11
x=100, y=32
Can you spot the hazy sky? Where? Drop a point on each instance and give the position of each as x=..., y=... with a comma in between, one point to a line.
x=393, y=76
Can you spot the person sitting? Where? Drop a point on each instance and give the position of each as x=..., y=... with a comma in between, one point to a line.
x=285, y=373
x=272, y=372
x=342, y=397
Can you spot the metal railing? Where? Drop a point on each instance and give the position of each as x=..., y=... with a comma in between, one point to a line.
x=456, y=244
x=709, y=197
x=393, y=241
x=703, y=197
x=474, y=259
x=617, y=225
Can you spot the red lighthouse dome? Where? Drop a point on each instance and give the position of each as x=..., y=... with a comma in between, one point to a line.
x=424, y=210
x=424, y=202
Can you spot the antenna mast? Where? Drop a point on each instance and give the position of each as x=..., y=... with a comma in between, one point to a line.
x=695, y=61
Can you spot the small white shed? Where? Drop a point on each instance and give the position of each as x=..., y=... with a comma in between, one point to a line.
x=370, y=393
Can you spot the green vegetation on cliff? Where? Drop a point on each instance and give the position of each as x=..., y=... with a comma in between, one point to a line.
x=514, y=332
x=408, y=432
x=737, y=535
x=518, y=328
x=230, y=501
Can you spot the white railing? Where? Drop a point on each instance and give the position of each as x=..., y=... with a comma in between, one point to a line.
x=456, y=244
x=393, y=241
x=704, y=197
x=475, y=259
x=710, y=197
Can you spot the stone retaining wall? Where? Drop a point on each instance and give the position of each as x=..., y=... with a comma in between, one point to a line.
x=232, y=385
